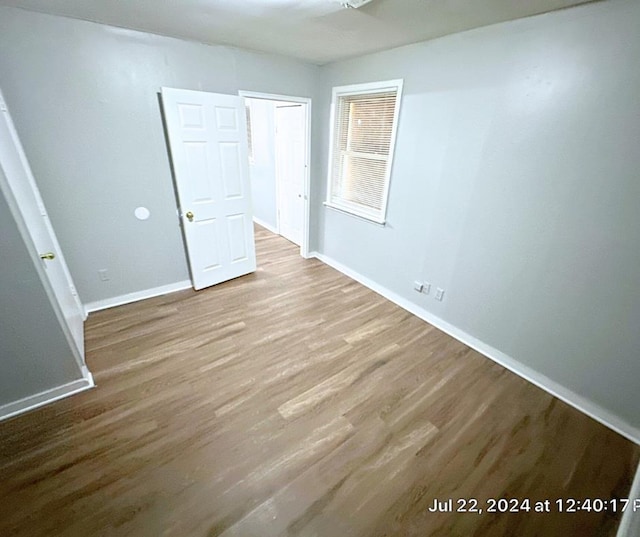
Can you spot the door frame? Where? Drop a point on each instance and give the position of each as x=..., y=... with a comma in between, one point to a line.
x=304, y=244
x=16, y=194
x=23, y=227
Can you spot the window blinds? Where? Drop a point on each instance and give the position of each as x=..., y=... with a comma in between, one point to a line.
x=363, y=130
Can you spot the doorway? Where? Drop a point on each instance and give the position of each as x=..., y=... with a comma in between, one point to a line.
x=279, y=150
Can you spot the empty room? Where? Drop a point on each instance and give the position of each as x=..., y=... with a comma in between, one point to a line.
x=319, y=268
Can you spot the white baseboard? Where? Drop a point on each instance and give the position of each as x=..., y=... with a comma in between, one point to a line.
x=583, y=404
x=263, y=224
x=138, y=295
x=630, y=521
x=49, y=396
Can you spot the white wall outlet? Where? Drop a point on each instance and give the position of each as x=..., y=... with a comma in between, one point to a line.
x=439, y=294
x=418, y=286
x=104, y=275
x=426, y=288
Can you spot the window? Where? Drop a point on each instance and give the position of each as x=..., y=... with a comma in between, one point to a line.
x=364, y=122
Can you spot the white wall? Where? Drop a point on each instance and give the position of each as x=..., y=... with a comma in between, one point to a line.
x=35, y=355
x=516, y=188
x=263, y=167
x=84, y=101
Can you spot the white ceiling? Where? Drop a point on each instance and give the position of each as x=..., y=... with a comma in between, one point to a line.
x=317, y=31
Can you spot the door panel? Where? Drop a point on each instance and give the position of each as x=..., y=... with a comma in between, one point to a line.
x=208, y=142
x=22, y=188
x=200, y=188
x=191, y=116
x=226, y=118
x=237, y=229
x=206, y=232
x=230, y=163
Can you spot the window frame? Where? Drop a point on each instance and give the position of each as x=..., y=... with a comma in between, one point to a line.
x=370, y=88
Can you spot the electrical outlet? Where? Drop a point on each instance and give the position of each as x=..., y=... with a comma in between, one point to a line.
x=418, y=286
x=439, y=294
x=426, y=288
x=104, y=275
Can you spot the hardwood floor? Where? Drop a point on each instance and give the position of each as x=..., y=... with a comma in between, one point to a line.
x=294, y=401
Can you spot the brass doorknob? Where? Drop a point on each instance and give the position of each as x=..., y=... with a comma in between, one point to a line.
x=189, y=216
x=49, y=256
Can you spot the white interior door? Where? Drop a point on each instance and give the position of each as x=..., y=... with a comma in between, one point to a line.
x=208, y=141
x=23, y=195
x=290, y=169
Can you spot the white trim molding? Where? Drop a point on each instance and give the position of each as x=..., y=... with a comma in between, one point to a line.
x=556, y=389
x=263, y=224
x=48, y=396
x=630, y=521
x=138, y=295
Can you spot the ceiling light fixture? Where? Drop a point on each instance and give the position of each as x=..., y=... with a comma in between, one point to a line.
x=353, y=4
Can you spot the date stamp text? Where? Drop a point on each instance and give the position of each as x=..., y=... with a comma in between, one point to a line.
x=526, y=505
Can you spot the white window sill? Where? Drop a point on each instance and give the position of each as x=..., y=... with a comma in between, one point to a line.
x=348, y=212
